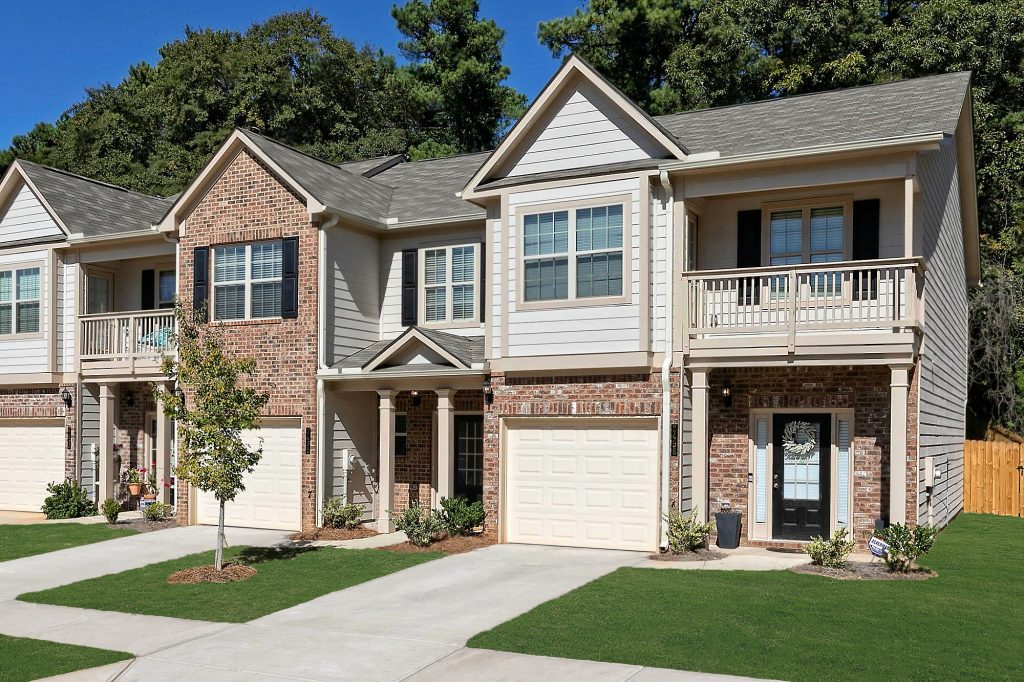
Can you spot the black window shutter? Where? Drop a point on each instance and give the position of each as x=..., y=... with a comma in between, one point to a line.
x=483, y=280
x=290, y=278
x=410, y=267
x=148, y=289
x=201, y=280
x=748, y=253
x=866, y=219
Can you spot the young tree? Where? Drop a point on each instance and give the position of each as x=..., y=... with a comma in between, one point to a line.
x=211, y=411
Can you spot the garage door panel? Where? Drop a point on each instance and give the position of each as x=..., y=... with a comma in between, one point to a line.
x=31, y=456
x=583, y=483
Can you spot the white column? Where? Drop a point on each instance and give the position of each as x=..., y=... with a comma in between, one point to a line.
x=445, y=444
x=699, y=463
x=164, y=429
x=386, y=461
x=898, y=445
x=106, y=473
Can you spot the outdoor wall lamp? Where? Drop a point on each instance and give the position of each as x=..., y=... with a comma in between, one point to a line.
x=488, y=391
x=65, y=395
x=415, y=398
x=727, y=396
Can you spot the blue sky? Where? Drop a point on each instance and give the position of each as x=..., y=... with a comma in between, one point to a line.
x=61, y=47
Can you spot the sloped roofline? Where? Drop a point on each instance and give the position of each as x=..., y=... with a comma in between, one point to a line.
x=572, y=66
x=412, y=334
x=10, y=182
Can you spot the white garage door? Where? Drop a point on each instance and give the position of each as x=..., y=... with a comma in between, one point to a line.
x=31, y=455
x=272, y=494
x=583, y=483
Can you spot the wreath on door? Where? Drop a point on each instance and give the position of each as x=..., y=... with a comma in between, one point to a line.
x=799, y=439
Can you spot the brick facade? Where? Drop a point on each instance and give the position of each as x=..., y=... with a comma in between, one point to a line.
x=248, y=203
x=46, y=403
x=864, y=389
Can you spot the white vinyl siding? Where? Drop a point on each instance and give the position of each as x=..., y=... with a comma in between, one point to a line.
x=28, y=353
x=247, y=281
x=352, y=291
x=27, y=220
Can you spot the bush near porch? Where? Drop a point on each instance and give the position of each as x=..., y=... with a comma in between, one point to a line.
x=965, y=624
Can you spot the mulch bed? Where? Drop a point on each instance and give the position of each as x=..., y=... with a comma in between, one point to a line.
x=142, y=525
x=232, y=573
x=861, y=570
x=456, y=544
x=698, y=555
x=334, y=534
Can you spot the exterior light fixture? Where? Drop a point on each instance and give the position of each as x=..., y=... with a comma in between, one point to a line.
x=65, y=395
x=488, y=391
x=415, y=398
x=727, y=396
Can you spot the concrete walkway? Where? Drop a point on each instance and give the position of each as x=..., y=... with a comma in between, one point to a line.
x=739, y=559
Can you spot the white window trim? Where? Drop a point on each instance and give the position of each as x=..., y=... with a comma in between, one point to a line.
x=448, y=286
x=248, y=281
x=573, y=301
x=14, y=302
x=804, y=206
x=158, y=302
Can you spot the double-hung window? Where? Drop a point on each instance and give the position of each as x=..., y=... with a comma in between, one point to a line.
x=19, y=301
x=573, y=254
x=166, y=288
x=450, y=276
x=809, y=234
x=247, y=281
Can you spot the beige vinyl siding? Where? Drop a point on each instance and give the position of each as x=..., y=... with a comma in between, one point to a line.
x=495, y=256
x=353, y=419
x=27, y=355
x=572, y=329
x=89, y=405
x=716, y=242
x=659, y=264
x=27, y=220
x=391, y=272
x=352, y=290
x=586, y=130
x=943, y=365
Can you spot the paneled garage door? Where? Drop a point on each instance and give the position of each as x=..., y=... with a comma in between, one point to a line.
x=31, y=455
x=272, y=495
x=583, y=483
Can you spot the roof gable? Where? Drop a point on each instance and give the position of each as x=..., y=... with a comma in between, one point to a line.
x=23, y=217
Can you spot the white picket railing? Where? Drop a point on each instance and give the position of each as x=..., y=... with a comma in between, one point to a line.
x=122, y=339
x=853, y=295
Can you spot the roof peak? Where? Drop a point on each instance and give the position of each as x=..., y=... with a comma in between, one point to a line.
x=101, y=183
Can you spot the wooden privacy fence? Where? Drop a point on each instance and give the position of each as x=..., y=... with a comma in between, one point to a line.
x=993, y=477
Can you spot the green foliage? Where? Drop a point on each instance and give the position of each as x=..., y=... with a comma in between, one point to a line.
x=420, y=525
x=906, y=545
x=110, y=509
x=687, y=533
x=337, y=514
x=157, y=511
x=831, y=553
x=459, y=517
x=67, y=500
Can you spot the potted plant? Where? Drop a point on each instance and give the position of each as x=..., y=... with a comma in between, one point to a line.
x=728, y=522
x=134, y=478
x=150, y=485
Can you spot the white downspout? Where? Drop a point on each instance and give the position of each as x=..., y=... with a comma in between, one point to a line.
x=666, y=365
x=321, y=363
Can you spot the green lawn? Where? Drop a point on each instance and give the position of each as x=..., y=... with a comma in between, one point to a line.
x=30, y=659
x=966, y=624
x=284, y=578
x=18, y=541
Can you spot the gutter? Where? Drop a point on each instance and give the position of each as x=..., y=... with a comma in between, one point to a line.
x=666, y=365
x=321, y=350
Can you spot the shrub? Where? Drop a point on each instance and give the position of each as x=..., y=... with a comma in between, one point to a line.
x=906, y=545
x=831, y=553
x=337, y=514
x=157, y=511
x=420, y=525
x=459, y=517
x=111, y=508
x=687, y=533
x=67, y=500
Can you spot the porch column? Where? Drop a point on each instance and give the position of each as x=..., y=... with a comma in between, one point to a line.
x=106, y=473
x=445, y=444
x=386, y=461
x=699, y=463
x=899, y=389
x=164, y=430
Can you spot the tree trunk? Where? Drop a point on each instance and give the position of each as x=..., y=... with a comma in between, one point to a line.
x=218, y=560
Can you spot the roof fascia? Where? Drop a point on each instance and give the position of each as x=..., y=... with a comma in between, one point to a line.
x=412, y=334
x=968, y=190
x=8, y=184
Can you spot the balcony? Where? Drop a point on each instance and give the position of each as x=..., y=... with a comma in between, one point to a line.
x=125, y=344
x=846, y=308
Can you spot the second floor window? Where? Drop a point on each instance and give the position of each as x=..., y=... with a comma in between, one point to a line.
x=166, y=288
x=449, y=283
x=808, y=235
x=247, y=281
x=19, y=301
x=573, y=254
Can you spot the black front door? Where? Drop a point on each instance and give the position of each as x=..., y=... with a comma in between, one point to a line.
x=800, y=475
x=469, y=456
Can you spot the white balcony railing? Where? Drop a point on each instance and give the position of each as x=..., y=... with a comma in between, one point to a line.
x=113, y=340
x=876, y=295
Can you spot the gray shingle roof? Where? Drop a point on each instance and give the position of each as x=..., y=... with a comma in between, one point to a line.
x=468, y=349
x=91, y=207
x=370, y=167
x=921, y=105
x=425, y=190
x=327, y=182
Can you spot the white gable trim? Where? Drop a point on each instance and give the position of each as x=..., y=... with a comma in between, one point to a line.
x=573, y=68
x=11, y=184
x=410, y=336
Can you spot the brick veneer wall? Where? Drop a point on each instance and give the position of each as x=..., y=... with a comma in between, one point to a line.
x=248, y=203
x=864, y=389
x=131, y=422
x=46, y=403
x=615, y=395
